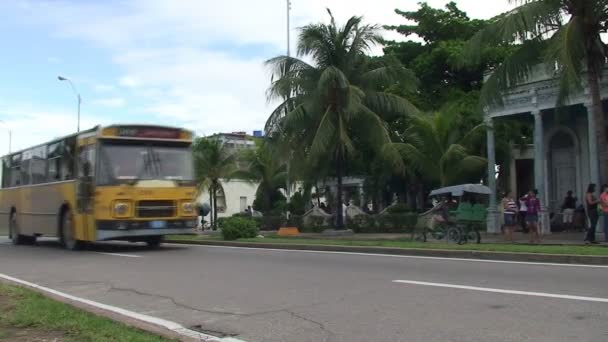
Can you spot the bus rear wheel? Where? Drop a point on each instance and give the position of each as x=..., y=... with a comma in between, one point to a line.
x=67, y=238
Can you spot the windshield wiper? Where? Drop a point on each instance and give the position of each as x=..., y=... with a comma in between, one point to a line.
x=151, y=165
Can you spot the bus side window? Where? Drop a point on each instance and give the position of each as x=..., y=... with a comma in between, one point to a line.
x=38, y=170
x=54, y=162
x=6, y=173
x=15, y=170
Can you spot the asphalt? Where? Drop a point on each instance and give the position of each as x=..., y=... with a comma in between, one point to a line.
x=269, y=295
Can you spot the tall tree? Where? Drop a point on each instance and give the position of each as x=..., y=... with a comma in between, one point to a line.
x=339, y=96
x=213, y=162
x=562, y=33
x=262, y=165
x=439, y=150
x=434, y=61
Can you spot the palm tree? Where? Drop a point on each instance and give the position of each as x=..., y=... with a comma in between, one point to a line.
x=261, y=165
x=438, y=150
x=213, y=162
x=338, y=101
x=562, y=33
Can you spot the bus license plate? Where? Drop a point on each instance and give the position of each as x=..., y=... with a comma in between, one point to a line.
x=158, y=224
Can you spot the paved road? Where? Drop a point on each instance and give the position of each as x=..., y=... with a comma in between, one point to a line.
x=263, y=295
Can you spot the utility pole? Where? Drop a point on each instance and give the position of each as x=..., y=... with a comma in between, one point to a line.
x=288, y=185
x=288, y=28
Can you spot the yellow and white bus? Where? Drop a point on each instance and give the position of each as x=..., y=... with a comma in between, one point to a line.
x=121, y=182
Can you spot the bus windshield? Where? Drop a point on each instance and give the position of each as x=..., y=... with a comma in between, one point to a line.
x=125, y=163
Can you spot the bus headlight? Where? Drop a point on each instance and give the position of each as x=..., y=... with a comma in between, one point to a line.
x=187, y=208
x=122, y=209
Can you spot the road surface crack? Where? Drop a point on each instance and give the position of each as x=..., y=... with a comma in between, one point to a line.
x=110, y=287
x=322, y=326
x=173, y=301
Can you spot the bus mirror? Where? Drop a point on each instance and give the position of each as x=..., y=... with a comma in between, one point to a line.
x=205, y=209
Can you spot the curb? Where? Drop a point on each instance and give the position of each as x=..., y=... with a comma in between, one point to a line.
x=153, y=325
x=443, y=253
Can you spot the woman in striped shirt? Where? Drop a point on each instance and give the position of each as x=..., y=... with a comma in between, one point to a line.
x=509, y=207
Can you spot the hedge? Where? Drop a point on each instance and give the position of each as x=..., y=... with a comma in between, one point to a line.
x=234, y=228
x=385, y=223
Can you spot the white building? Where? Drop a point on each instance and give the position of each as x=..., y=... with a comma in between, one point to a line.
x=237, y=194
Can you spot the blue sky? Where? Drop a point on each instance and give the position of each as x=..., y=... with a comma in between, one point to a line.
x=190, y=63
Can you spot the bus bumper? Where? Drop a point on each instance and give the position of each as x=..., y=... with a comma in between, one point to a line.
x=130, y=230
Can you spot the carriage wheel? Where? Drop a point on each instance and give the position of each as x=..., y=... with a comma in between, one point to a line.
x=474, y=236
x=454, y=234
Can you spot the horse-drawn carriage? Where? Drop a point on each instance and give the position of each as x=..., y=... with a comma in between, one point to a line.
x=458, y=216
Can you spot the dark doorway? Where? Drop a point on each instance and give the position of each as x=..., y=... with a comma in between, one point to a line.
x=524, y=169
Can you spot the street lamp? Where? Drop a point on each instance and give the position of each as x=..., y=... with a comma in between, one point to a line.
x=61, y=78
x=10, y=136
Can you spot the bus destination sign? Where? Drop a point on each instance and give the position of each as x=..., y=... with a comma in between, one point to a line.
x=149, y=132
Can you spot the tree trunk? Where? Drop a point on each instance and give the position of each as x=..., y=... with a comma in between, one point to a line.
x=211, y=205
x=600, y=125
x=215, y=207
x=340, y=223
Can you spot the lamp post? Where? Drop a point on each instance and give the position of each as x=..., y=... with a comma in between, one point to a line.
x=288, y=185
x=288, y=27
x=10, y=136
x=61, y=78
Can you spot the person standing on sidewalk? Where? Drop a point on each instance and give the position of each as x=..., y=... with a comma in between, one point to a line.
x=591, y=203
x=604, y=204
x=533, y=205
x=568, y=208
x=509, y=207
x=523, y=211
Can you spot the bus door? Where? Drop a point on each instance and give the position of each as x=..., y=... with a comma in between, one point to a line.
x=84, y=193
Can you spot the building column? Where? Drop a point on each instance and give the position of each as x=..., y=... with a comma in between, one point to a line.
x=539, y=171
x=594, y=168
x=362, y=202
x=492, y=221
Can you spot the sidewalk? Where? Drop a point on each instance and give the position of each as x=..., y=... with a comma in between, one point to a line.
x=550, y=239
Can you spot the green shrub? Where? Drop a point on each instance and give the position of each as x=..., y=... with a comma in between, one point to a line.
x=314, y=224
x=361, y=224
x=297, y=204
x=296, y=221
x=272, y=222
x=220, y=221
x=234, y=228
x=385, y=223
x=241, y=215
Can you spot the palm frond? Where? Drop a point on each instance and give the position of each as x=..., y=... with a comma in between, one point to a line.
x=529, y=21
x=567, y=49
x=513, y=70
x=331, y=78
x=325, y=133
x=386, y=76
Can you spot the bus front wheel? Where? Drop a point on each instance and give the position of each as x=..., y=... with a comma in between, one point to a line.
x=13, y=230
x=68, y=240
x=154, y=241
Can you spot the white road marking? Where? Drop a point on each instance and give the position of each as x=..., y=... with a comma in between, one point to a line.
x=120, y=255
x=175, y=327
x=399, y=256
x=516, y=292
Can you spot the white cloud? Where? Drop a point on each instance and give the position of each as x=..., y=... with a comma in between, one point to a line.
x=129, y=81
x=102, y=88
x=112, y=102
x=199, y=63
x=34, y=126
